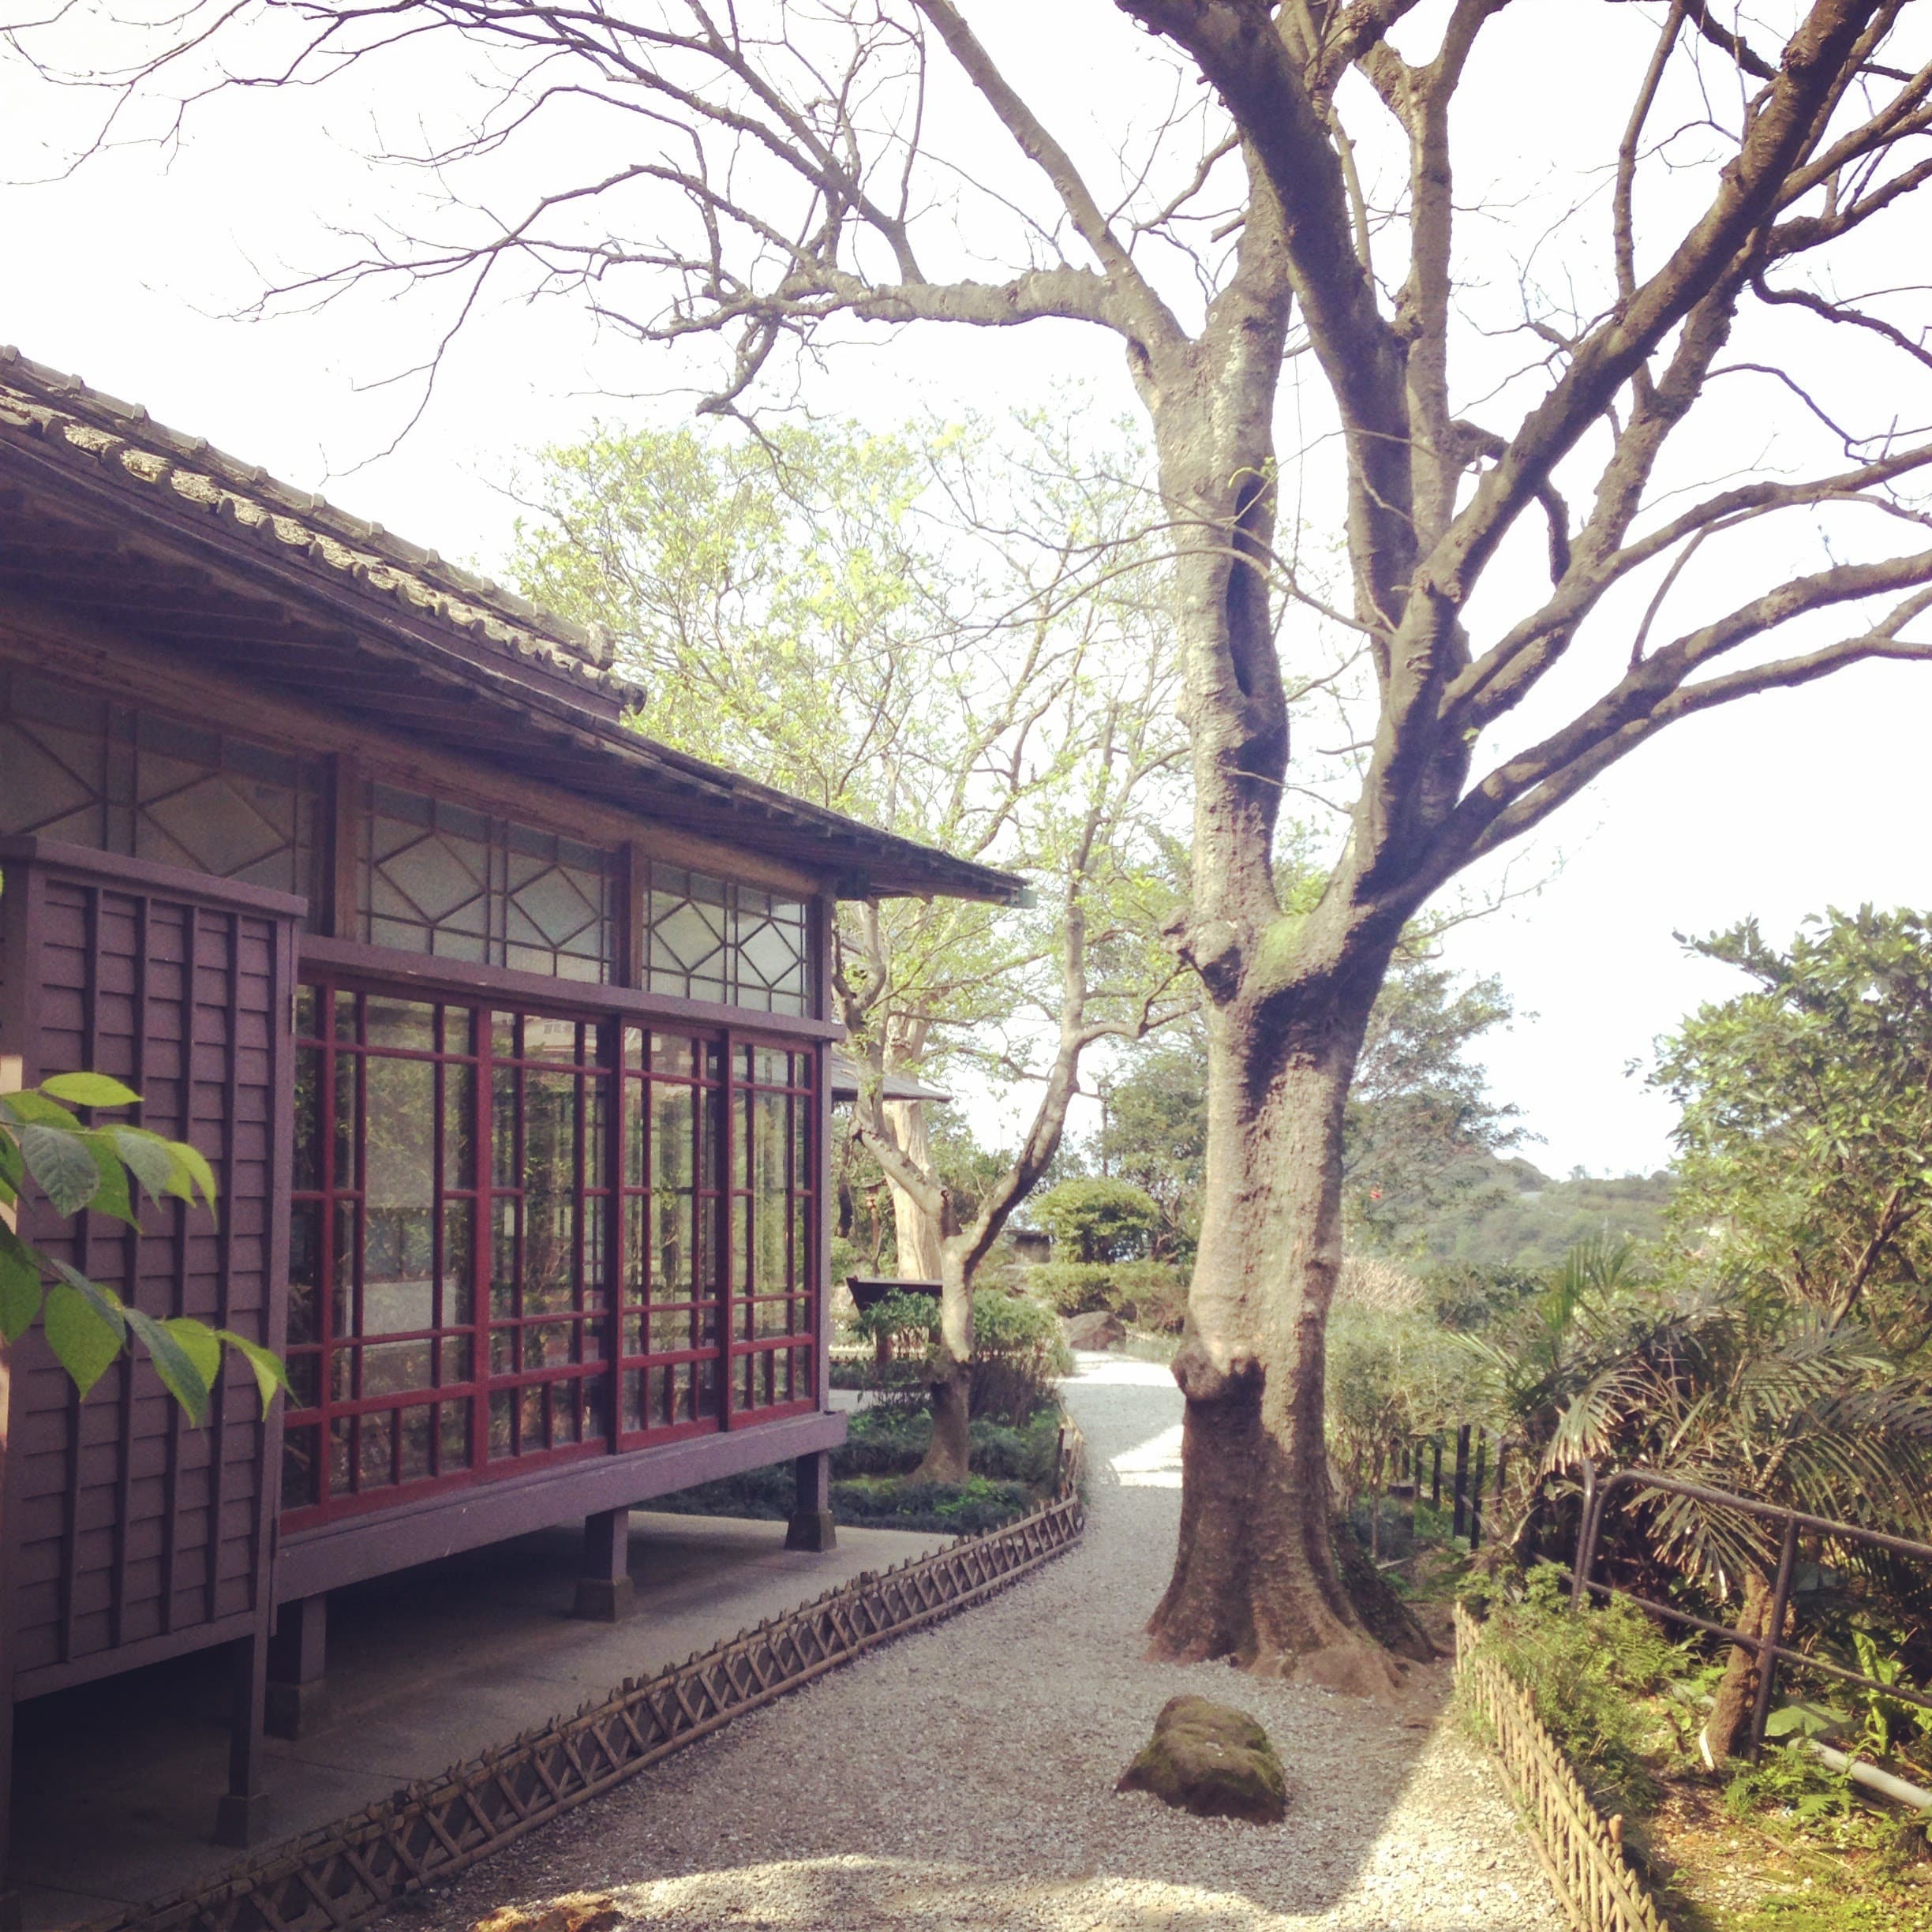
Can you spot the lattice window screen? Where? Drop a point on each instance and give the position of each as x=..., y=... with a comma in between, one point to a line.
x=712, y=939
x=121, y=780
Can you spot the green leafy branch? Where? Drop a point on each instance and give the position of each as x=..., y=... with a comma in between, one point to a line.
x=78, y=1166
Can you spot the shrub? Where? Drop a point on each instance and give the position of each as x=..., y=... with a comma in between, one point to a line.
x=1029, y=1455
x=1380, y=1285
x=1101, y=1219
x=764, y=1494
x=1076, y=1287
x=952, y=1509
x=882, y=1441
x=1468, y=1296
x=1588, y=1673
x=1790, y=1778
x=1019, y=1353
x=1151, y=1295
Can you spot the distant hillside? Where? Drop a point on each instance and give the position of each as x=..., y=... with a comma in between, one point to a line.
x=1515, y=1215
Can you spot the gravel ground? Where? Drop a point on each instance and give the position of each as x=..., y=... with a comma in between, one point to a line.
x=962, y=1778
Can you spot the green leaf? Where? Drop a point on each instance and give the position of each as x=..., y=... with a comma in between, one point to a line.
x=269, y=1373
x=90, y=1090
x=191, y=1170
x=30, y=1105
x=19, y=1285
x=113, y=1197
x=13, y=1169
x=174, y=1361
x=1806, y=1719
x=148, y=1158
x=60, y=1161
x=85, y=1326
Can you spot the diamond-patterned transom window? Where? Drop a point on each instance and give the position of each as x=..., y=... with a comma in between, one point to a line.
x=712, y=939
x=436, y=878
x=77, y=767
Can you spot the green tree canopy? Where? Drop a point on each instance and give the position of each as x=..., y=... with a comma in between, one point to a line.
x=912, y=629
x=1805, y=1145
x=1099, y=1218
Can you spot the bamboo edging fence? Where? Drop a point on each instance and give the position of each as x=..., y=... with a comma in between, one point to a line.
x=343, y=1875
x=1581, y=1854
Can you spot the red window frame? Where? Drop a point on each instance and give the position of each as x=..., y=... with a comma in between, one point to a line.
x=510, y=1383
x=774, y=1272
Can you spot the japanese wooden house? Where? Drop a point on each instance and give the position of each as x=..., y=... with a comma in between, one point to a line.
x=504, y=1028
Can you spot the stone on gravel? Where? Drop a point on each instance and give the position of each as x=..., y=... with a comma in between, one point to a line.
x=1097, y=1330
x=575, y=1911
x=1212, y=1760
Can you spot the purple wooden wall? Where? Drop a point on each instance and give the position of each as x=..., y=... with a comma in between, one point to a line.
x=127, y=1534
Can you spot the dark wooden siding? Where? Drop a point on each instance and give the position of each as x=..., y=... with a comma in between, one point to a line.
x=130, y=1527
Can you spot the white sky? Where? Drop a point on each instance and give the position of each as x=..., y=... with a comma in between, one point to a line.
x=124, y=274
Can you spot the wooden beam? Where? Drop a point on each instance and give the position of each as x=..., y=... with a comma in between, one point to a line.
x=341, y=916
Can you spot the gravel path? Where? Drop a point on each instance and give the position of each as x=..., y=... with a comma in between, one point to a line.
x=962, y=1779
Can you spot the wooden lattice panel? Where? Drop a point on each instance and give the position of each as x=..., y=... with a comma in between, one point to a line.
x=1580, y=1850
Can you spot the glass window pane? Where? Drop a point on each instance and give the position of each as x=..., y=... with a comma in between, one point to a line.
x=396, y=1368
x=399, y=1210
x=458, y=1127
x=503, y=1262
x=551, y=1207
x=417, y=1426
x=305, y=1269
x=454, y=1429
x=305, y=1375
x=342, y=1433
x=551, y=1039
x=300, y=1450
x=404, y=1026
x=377, y=1450
x=308, y=1161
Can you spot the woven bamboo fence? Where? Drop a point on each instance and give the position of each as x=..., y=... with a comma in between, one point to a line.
x=343, y=1875
x=1581, y=1853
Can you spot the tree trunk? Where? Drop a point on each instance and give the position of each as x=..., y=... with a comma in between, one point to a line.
x=917, y=1231
x=948, y=1456
x=1738, y=1690
x=1255, y=1576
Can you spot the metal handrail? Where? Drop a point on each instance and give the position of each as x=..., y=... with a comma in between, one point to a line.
x=1767, y=1648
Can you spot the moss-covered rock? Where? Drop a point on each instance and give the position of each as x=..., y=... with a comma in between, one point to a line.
x=1212, y=1760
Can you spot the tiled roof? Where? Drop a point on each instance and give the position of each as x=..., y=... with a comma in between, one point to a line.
x=124, y=438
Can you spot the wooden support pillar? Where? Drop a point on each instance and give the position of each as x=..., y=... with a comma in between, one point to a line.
x=241, y=1815
x=298, y=1663
x=1461, y=1482
x=811, y=1527
x=605, y=1592
x=1475, y=1491
x=10, y=1908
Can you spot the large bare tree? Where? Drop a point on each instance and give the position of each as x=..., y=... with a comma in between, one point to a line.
x=778, y=177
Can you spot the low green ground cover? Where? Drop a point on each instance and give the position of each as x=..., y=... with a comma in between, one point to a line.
x=1783, y=1845
x=1014, y=1473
